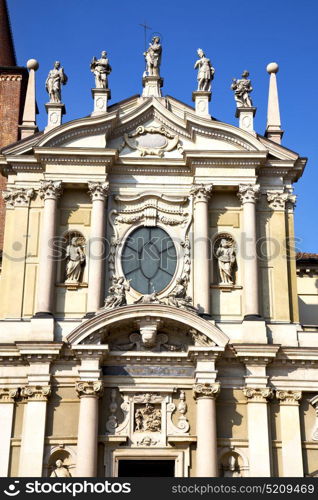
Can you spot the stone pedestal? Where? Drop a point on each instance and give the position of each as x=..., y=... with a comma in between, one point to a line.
x=152, y=86
x=246, y=118
x=101, y=98
x=55, y=111
x=201, y=98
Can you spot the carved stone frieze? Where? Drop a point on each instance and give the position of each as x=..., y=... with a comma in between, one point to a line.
x=199, y=339
x=289, y=397
x=206, y=390
x=258, y=395
x=148, y=418
x=155, y=141
x=8, y=394
x=98, y=190
x=147, y=441
x=91, y=388
x=201, y=192
x=18, y=197
x=248, y=193
x=36, y=392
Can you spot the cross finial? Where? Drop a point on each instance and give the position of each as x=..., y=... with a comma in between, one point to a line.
x=145, y=27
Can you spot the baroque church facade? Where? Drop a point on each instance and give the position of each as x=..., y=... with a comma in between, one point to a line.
x=154, y=319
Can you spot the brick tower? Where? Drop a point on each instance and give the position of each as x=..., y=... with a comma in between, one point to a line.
x=13, y=84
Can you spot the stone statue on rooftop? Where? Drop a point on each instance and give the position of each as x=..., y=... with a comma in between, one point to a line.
x=205, y=72
x=242, y=89
x=153, y=57
x=101, y=69
x=55, y=79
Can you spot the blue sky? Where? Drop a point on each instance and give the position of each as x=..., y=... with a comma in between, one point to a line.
x=235, y=34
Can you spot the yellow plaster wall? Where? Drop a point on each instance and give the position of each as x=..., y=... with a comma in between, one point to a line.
x=231, y=411
x=307, y=285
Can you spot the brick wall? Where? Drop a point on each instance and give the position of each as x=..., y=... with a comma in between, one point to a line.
x=13, y=83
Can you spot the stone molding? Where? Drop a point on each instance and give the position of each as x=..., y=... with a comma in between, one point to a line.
x=258, y=395
x=50, y=190
x=206, y=390
x=89, y=388
x=248, y=193
x=201, y=192
x=19, y=197
x=36, y=392
x=8, y=394
x=98, y=190
x=289, y=397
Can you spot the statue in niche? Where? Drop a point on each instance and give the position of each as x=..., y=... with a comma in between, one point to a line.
x=75, y=260
x=205, y=72
x=148, y=418
x=178, y=296
x=117, y=293
x=242, y=89
x=153, y=57
x=60, y=470
x=231, y=469
x=225, y=255
x=55, y=79
x=101, y=69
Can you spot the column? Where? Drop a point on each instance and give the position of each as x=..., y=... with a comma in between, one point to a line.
x=32, y=444
x=201, y=254
x=248, y=196
x=50, y=191
x=258, y=431
x=7, y=396
x=206, y=457
x=290, y=433
x=89, y=393
x=98, y=192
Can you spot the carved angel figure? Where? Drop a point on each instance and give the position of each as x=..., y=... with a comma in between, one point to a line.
x=242, y=89
x=153, y=57
x=205, y=71
x=226, y=260
x=60, y=470
x=75, y=260
x=101, y=69
x=55, y=79
x=117, y=293
x=178, y=296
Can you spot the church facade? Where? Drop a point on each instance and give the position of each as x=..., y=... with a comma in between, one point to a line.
x=152, y=315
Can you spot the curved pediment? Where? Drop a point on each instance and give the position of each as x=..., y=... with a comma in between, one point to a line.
x=107, y=320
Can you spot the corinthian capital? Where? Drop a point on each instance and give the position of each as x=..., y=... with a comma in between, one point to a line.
x=277, y=200
x=206, y=390
x=18, y=197
x=248, y=193
x=50, y=190
x=289, y=397
x=36, y=392
x=201, y=192
x=98, y=190
x=89, y=388
x=8, y=394
x=258, y=395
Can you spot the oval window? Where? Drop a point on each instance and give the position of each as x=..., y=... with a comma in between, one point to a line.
x=149, y=259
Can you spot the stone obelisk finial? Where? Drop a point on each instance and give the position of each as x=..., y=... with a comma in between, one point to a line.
x=28, y=126
x=273, y=127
